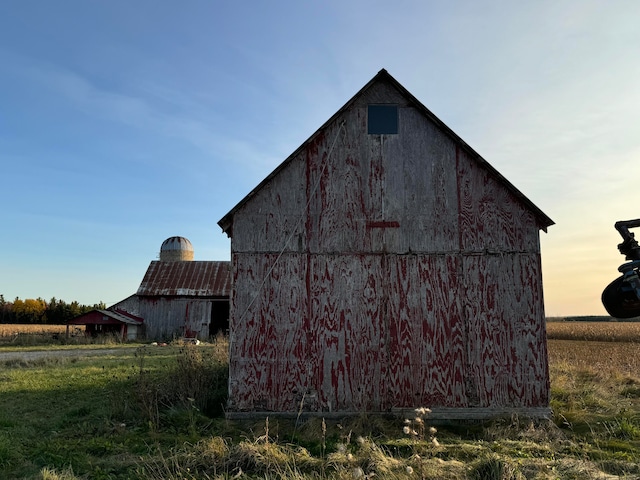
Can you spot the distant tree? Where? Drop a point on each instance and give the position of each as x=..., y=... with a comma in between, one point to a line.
x=17, y=308
x=39, y=311
x=56, y=311
x=8, y=315
x=3, y=309
x=74, y=309
x=30, y=310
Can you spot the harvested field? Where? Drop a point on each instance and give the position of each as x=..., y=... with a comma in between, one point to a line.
x=556, y=330
x=594, y=331
x=11, y=330
x=607, y=358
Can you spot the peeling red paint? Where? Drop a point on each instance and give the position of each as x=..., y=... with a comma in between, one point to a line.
x=415, y=280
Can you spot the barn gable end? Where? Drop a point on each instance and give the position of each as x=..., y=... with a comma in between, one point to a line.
x=382, y=271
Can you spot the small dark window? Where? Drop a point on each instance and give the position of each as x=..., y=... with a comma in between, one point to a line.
x=382, y=119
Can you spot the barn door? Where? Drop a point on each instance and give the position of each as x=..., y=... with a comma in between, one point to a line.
x=197, y=316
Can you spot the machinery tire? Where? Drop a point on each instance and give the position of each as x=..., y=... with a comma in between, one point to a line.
x=620, y=303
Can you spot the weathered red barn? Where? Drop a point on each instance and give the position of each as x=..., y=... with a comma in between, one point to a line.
x=109, y=322
x=386, y=265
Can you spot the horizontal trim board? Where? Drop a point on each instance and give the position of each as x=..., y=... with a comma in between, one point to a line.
x=440, y=415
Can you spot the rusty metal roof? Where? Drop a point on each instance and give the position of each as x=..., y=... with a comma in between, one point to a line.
x=188, y=278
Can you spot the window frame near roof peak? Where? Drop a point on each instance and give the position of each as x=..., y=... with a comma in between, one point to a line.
x=382, y=119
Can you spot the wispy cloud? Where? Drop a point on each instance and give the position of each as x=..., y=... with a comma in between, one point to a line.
x=177, y=115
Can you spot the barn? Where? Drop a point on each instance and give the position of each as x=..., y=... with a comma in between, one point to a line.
x=109, y=322
x=385, y=265
x=180, y=297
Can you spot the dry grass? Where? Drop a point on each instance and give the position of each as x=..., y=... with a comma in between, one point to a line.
x=595, y=433
x=607, y=359
x=595, y=395
x=11, y=330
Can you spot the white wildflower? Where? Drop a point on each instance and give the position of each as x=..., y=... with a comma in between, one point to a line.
x=358, y=473
x=432, y=430
x=407, y=430
x=435, y=442
x=409, y=470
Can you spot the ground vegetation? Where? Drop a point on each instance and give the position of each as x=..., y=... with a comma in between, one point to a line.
x=157, y=412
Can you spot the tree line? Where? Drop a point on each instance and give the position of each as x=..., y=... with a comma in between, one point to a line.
x=39, y=311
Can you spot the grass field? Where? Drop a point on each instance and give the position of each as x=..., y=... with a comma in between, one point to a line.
x=155, y=413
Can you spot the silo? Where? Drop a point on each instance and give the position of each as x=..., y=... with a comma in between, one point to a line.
x=176, y=249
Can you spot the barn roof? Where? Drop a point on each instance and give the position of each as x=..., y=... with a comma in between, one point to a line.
x=103, y=317
x=187, y=278
x=383, y=76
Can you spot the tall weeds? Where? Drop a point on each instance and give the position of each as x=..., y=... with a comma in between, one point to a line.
x=195, y=384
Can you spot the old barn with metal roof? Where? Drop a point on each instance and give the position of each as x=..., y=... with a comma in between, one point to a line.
x=177, y=298
x=182, y=299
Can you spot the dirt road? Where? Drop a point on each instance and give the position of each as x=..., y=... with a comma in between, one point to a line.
x=79, y=352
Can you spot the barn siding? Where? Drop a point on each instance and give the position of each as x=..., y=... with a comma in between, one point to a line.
x=269, y=368
x=381, y=272
x=491, y=219
x=130, y=304
x=377, y=332
x=427, y=338
x=167, y=317
x=507, y=340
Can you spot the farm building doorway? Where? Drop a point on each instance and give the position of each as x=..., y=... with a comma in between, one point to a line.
x=219, y=317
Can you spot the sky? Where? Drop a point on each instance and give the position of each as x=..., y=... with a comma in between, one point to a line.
x=123, y=123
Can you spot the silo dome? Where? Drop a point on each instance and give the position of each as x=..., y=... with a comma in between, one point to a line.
x=176, y=249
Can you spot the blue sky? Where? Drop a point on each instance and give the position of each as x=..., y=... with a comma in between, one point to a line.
x=124, y=123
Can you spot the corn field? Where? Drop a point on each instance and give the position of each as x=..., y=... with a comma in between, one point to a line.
x=12, y=330
x=557, y=330
x=594, y=331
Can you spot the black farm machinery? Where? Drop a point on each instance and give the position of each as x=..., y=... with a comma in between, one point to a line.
x=621, y=298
